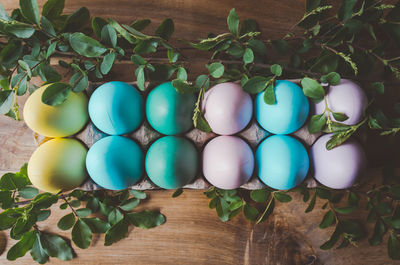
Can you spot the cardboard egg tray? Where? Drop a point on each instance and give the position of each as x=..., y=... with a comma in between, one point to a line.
x=145, y=135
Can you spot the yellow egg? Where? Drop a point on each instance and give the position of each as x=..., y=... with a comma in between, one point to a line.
x=58, y=164
x=62, y=120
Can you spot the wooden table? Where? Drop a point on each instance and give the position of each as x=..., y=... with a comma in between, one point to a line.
x=193, y=234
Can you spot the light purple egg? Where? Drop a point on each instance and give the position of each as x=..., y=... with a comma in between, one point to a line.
x=227, y=108
x=339, y=167
x=228, y=162
x=347, y=98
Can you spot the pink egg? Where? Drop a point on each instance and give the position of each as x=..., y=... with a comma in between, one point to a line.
x=347, y=98
x=227, y=108
x=228, y=162
x=339, y=167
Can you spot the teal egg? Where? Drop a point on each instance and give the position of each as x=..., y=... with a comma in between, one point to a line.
x=116, y=108
x=169, y=112
x=282, y=162
x=171, y=162
x=115, y=162
x=289, y=112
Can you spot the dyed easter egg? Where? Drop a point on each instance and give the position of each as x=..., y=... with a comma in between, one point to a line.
x=58, y=165
x=227, y=108
x=228, y=162
x=289, y=112
x=115, y=162
x=171, y=162
x=339, y=167
x=168, y=111
x=347, y=98
x=116, y=108
x=62, y=120
x=282, y=162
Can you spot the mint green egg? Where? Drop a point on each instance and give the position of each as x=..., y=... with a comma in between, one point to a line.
x=172, y=162
x=168, y=111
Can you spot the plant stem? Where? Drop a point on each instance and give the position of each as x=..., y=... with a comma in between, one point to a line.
x=266, y=209
x=70, y=206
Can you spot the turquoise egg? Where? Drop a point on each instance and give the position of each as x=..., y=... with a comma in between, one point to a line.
x=282, y=162
x=116, y=108
x=169, y=112
x=171, y=162
x=289, y=112
x=115, y=162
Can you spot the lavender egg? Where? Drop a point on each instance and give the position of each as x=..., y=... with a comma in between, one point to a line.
x=347, y=98
x=339, y=167
x=227, y=108
x=228, y=162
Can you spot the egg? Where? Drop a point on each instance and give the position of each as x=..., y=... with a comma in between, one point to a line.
x=58, y=165
x=228, y=162
x=168, y=111
x=171, y=162
x=227, y=108
x=347, y=98
x=282, y=162
x=287, y=114
x=339, y=167
x=115, y=162
x=116, y=108
x=61, y=120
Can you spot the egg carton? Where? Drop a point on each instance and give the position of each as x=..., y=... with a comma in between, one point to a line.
x=145, y=135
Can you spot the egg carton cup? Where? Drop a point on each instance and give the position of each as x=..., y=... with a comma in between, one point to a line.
x=145, y=135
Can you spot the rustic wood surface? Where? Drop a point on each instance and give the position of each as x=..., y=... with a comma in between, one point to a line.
x=193, y=234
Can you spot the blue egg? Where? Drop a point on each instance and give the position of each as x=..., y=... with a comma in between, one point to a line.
x=115, y=162
x=171, y=162
x=289, y=112
x=168, y=111
x=282, y=162
x=116, y=108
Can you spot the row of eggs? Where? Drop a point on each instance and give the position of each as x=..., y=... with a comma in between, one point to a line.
x=117, y=162
x=116, y=108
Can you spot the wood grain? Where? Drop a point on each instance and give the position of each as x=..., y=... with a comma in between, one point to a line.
x=193, y=234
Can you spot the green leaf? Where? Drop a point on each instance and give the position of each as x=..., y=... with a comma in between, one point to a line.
x=346, y=9
x=77, y=20
x=85, y=45
x=3, y=13
x=130, y=204
x=81, y=234
x=166, y=29
x=276, y=69
x=183, y=87
x=378, y=87
x=37, y=252
x=28, y=192
x=11, y=181
x=97, y=225
x=312, y=4
x=83, y=212
x=317, y=123
x=250, y=212
x=30, y=10
x=47, y=26
x=257, y=46
x=140, y=78
x=10, y=54
x=146, y=219
x=177, y=193
x=201, y=123
x=181, y=74
x=255, y=84
x=51, y=49
x=53, y=8
x=203, y=81
x=124, y=33
x=140, y=24
x=49, y=74
x=332, y=78
x=138, y=194
x=93, y=204
x=115, y=216
x=66, y=222
x=394, y=247
x=282, y=196
x=327, y=62
x=339, y=116
x=56, y=94
x=79, y=82
x=249, y=25
x=56, y=246
x=107, y=63
x=216, y=70
x=8, y=219
x=22, y=246
x=345, y=210
x=269, y=93
x=281, y=47
x=116, y=232
x=312, y=89
x=18, y=29
x=98, y=24
x=383, y=208
x=379, y=232
x=146, y=46
x=233, y=22
x=6, y=200
x=327, y=220
x=260, y=195
x=6, y=101
x=138, y=60
x=43, y=215
x=332, y=240
x=248, y=56
x=109, y=36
